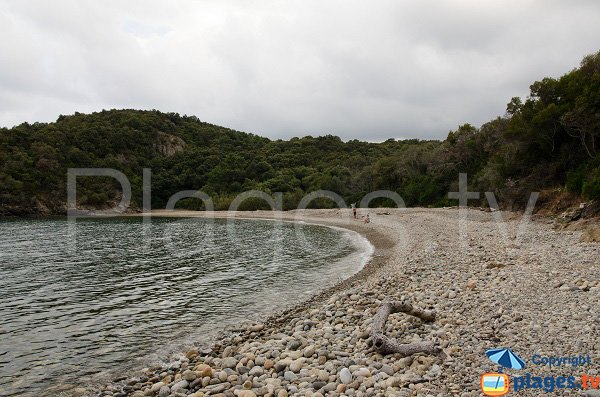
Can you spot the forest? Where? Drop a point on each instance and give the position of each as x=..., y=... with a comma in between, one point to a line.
x=549, y=141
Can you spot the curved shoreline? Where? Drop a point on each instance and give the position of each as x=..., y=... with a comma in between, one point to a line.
x=380, y=243
x=321, y=346
x=375, y=258
x=355, y=260
x=363, y=256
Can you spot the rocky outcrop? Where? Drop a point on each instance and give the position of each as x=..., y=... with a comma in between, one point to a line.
x=168, y=145
x=585, y=210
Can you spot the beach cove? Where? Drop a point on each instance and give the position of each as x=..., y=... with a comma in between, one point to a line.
x=129, y=296
x=535, y=292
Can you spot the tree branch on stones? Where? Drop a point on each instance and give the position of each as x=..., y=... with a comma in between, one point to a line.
x=386, y=345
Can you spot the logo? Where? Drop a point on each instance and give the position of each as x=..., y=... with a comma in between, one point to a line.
x=494, y=384
x=497, y=384
x=505, y=358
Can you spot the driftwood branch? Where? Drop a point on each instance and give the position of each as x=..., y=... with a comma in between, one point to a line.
x=386, y=345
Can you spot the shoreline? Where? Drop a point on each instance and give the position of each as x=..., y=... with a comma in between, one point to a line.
x=377, y=257
x=320, y=346
x=378, y=241
x=363, y=251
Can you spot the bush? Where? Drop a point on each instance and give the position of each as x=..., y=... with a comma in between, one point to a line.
x=575, y=180
x=591, y=186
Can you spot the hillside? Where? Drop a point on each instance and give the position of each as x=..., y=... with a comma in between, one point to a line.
x=548, y=141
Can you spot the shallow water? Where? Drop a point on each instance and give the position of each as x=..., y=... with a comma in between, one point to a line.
x=121, y=295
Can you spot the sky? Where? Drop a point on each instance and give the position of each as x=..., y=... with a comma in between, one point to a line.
x=368, y=70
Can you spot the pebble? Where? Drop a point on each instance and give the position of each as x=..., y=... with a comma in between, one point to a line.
x=345, y=376
x=179, y=385
x=164, y=391
x=309, y=351
x=256, y=371
x=296, y=365
x=156, y=387
x=485, y=295
x=282, y=393
x=229, y=362
x=290, y=376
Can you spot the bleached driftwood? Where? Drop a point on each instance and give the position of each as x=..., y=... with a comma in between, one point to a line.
x=386, y=345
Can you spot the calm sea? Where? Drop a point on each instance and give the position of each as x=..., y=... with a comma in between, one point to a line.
x=80, y=305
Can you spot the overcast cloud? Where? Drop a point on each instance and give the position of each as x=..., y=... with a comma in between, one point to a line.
x=370, y=70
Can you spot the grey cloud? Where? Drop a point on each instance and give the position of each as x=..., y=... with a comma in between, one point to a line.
x=367, y=70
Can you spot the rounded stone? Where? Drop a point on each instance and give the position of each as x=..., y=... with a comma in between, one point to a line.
x=156, y=387
x=290, y=376
x=229, y=362
x=296, y=366
x=164, y=391
x=268, y=364
x=309, y=351
x=204, y=370
x=345, y=376
x=323, y=375
x=256, y=371
x=363, y=372
x=183, y=384
x=189, y=375
x=282, y=393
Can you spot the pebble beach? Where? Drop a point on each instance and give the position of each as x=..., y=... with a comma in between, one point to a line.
x=536, y=291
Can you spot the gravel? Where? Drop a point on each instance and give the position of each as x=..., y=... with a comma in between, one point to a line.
x=536, y=293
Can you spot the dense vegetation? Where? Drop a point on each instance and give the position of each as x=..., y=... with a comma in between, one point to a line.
x=548, y=141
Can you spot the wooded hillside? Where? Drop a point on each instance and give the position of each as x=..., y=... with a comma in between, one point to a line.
x=550, y=140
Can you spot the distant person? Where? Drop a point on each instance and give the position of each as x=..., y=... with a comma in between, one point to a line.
x=354, y=209
x=367, y=219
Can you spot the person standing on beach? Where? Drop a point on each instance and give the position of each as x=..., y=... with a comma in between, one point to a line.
x=354, y=209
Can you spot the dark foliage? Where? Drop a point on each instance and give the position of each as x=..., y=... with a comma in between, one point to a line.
x=549, y=140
